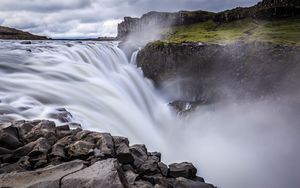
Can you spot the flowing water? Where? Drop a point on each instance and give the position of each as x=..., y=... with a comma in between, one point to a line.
x=233, y=145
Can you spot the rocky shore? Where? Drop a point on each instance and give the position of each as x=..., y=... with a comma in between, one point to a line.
x=41, y=154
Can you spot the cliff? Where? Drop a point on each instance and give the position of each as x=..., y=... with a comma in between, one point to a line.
x=267, y=9
x=14, y=34
x=211, y=72
x=161, y=20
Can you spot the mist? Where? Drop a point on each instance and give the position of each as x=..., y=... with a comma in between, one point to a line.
x=242, y=139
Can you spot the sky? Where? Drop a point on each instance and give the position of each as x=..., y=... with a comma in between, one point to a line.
x=93, y=18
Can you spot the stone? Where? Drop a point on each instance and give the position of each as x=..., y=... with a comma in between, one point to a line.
x=39, y=151
x=4, y=151
x=58, y=150
x=9, y=138
x=62, y=115
x=164, y=170
x=122, y=150
x=131, y=177
x=186, y=170
x=150, y=167
x=23, y=127
x=44, y=129
x=153, y=179
x=139, y=153
x=80, y=149
x=46, y=177
x=186, y=183
x=106, y=173
x=143, y=184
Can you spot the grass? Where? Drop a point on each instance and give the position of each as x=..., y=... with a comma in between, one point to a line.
x=285, y=31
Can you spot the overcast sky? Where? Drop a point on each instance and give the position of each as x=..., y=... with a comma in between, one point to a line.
x=92, y=18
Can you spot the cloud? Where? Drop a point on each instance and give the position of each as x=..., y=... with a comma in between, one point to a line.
x=92, y=18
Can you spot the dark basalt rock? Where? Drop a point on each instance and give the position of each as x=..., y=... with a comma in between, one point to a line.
x=122, y=150
x=186, y=170
x=9, y=138
x=49, y=158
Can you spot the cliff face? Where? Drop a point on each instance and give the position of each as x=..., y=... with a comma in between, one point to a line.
x=263, y=10
x=200, y=72
x=14, y=34
x=160, y=19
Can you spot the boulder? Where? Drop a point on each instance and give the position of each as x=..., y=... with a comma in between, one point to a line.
x=46, y=177
x=142, y=184
x=122, y=150
x=186, y=183
x=9, y=138
x=186, y=170
x=107, y=173
x=139, y=153
x=80, y=149
x=164, y=170
x=44, y=129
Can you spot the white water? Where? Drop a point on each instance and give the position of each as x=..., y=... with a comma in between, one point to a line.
x=234, y=145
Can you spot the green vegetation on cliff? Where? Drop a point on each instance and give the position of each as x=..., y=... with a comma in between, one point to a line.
x=282, y=31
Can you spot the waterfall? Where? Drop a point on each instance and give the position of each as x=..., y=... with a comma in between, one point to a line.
x=230, y=143
x=134, y=57
x=93, y=81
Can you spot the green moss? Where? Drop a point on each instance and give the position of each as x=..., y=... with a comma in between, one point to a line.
x=285, y=31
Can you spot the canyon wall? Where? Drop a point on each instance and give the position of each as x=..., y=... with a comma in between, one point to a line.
x=209, y=72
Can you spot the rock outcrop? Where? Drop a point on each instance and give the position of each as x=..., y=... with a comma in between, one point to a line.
x=203, y=73
x=39, y=154
x=265, y=9
x=160, y=20
x=14, y=34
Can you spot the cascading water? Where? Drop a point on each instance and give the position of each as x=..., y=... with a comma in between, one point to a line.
x=93, y=81
x=231, y=144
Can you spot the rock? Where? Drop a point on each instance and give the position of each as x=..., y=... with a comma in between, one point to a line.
x=63, y=128
x=139, y=153
x=159, y=20
x=186, y=183
x=62, y=115
x=164, y=170
x=46, y=177
x=9, y=138
x=186, y=170
x=25, y=42
x=105, y=173
x=131, y=177
x=153, y=179
x=150, y=167
x=104, y=142
x=177, y=66
x=142, y=184
x=44, y=129
x=39, y=163
x=4, y=151
x=23, y=127
x=39, y=151
x=122, y=150
x=80, y=149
